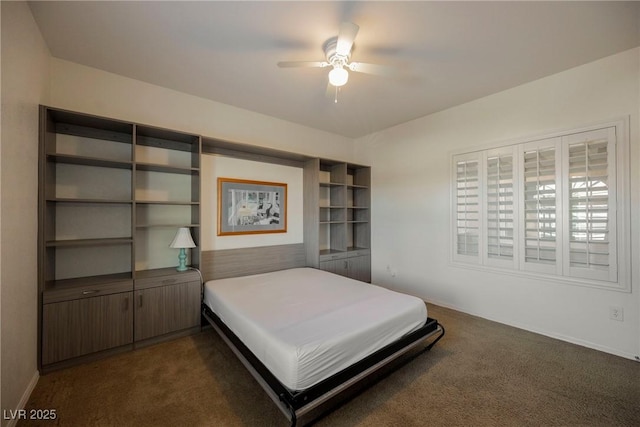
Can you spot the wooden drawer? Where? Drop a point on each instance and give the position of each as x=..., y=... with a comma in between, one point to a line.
x=334, y=257
x=343, y=255
x=359, y=252
x=79, y=291
x=165, y=277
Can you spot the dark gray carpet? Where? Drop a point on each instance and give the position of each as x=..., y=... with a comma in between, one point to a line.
x=480, y=374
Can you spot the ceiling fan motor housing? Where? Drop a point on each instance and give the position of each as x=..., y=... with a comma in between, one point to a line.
x=333, y=57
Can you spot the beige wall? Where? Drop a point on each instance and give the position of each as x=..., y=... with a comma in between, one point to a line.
x=79, y=88
x=411, y=199
x=25, y=61
x=410, y=168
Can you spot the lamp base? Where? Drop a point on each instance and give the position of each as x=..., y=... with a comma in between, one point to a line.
x=182, y=259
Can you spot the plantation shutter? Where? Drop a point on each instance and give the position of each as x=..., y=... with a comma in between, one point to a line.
x=468, y=201
x=501, y=207
x=590, y=202
x=541, y=196
x=553, y=207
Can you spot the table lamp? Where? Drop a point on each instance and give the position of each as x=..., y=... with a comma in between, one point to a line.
x=182, y=241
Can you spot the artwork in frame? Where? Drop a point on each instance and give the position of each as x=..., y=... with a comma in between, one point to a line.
x=251, y=207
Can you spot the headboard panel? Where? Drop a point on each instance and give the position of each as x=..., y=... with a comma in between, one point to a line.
x=220, y=264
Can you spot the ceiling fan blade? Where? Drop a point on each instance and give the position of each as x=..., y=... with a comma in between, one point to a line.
x=304, y=64
x=346, y=36
x=363, y=67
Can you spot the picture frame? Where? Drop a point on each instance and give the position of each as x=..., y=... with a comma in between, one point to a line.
x=251, y=207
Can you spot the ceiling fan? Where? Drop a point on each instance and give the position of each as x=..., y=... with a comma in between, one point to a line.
x=337, y=52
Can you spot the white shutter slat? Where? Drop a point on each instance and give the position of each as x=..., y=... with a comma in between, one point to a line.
x=500, y=208
x=547, y=207
x=540, y=204
x=589, y=204
x=467, y=208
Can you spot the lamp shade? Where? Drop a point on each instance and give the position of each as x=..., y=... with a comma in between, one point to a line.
x=338, y=76
x=183, y=239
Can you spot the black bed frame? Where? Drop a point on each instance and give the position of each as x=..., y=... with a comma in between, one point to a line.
x=295, y=404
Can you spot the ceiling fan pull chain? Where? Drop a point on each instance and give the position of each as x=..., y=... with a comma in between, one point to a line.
x=336, y=98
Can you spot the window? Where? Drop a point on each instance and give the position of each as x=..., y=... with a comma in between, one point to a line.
x=546, y=207
x=540, y=194
x=590, y=204
x=500, y=207
x=467, y=206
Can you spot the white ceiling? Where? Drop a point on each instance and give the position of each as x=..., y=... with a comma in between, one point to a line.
x=445, y=53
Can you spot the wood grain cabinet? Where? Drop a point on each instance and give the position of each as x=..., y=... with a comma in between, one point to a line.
x=356, y=265
x=112, y=195
x=166, y=302
x=360, y=267
x=337, y=217
x=86, y=325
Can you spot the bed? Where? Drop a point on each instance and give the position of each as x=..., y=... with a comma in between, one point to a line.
x=307, y=335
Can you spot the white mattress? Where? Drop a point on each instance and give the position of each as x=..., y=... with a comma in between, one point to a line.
x=306, y=324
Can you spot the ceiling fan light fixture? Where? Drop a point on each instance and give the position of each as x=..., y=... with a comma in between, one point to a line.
x=338, y=76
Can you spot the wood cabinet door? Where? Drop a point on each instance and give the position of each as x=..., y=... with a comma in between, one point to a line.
x=338, y=266
x=82, y=326
x=357, y=267
x=166, y=309
x=360, y=268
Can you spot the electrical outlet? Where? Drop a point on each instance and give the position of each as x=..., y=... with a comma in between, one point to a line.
x=616, y=313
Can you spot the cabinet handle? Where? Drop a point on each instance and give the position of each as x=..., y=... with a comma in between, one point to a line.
x=346, y=264
x=126, y=303
x=140, y=301
x=93, y=291
x=169, y=281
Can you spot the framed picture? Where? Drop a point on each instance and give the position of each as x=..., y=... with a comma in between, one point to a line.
x=251, y=207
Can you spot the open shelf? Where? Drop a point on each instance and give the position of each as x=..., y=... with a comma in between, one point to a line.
x=89, y=242
x=89, y=161
x=112, y=195
x=337, y=215
x=88, y=281
x=152, y=167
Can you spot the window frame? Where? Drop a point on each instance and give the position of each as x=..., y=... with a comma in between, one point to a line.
x=619, y=205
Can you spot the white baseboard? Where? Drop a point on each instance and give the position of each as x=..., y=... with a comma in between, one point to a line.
x=25, y=397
